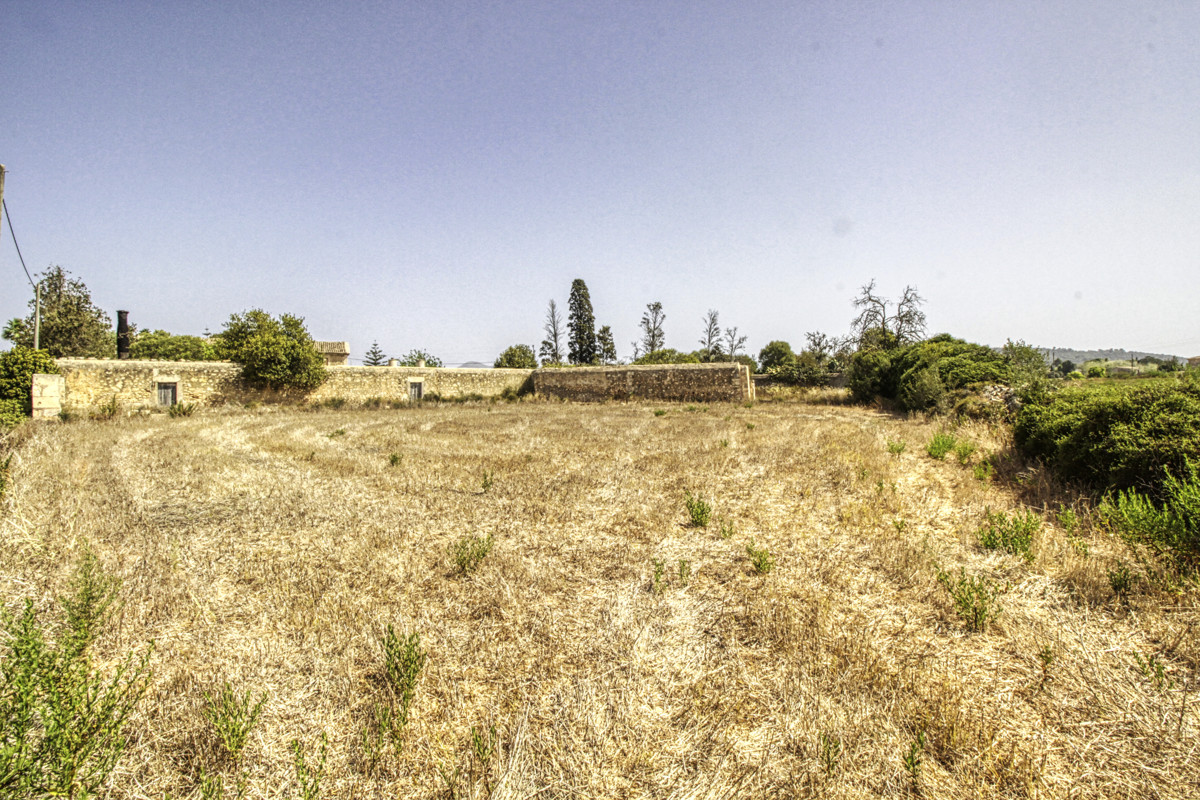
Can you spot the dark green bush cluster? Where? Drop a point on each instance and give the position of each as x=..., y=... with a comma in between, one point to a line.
x=274, y=353
x=919, y=375
x=17, y=368
x=1115, y=437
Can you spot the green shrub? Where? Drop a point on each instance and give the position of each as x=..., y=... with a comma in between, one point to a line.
x=699, y=511
x=1096, y=371
x=274, y=353
x=61, y=722
x=760, y=558
x=1170, y=529
x=232, y=717
x=941, y=444
x=518, y=356
x=975, y=599
x=181, y=409
x=964, y=450
x=1011, y=534
x=1115, y=437
x=469, y=551
x=896, y=447
x=17, y=368
x=922, y=389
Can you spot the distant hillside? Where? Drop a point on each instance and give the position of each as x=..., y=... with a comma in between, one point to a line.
x=1081, y=356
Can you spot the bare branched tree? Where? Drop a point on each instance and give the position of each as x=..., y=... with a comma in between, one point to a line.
x=710, y=340
x=905, y=326
x=733, y=343
x=551, y=349
x=653, y=337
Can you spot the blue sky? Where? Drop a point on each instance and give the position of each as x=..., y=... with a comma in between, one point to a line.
x=430, y=174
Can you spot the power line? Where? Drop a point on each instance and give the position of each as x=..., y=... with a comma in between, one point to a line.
x=14, y=238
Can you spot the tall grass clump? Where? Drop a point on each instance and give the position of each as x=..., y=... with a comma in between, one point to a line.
x=232, y=717
x=403, y=660
x=62, y=721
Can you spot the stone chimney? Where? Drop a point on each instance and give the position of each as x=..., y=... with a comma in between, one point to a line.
x=122, y=335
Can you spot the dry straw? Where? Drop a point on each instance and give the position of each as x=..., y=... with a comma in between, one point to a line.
x=257, y=549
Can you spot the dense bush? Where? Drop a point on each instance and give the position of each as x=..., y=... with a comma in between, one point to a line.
x=17, y=368
x=164, y=346
x=1114, y=437
x=274, y=353
x=775, y=356
x=519, y=356
x=667, y=355
x=919, y=375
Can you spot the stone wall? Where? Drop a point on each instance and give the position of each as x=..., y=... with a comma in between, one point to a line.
x=140, y=384
x=682, y=382
x=87, y=383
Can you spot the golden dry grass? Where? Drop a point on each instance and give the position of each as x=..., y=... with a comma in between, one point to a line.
x=272, y=549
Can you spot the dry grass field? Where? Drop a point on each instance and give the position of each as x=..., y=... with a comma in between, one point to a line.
x=616, y=649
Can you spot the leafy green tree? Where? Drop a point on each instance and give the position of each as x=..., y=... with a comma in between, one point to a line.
x=17, y=368
x=413, y=357
x=374, y=357
x=163, y=346
x=519, y=356
x=606, y=345
x=274, y=353
x=653, y=337
x=776, y=356
x=71, y=326
x=581, y=326
x=551, y=349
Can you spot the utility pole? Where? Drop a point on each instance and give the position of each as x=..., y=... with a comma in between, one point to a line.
x=37, y=287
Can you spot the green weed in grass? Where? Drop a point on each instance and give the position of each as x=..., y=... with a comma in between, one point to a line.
x=941, y=444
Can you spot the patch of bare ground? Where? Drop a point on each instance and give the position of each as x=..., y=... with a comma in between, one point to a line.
x=272, y=550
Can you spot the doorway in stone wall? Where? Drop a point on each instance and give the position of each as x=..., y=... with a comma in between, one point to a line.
x=415, y=390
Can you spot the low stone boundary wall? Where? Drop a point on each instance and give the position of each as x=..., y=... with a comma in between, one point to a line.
x=726, y=382
x=88, y=383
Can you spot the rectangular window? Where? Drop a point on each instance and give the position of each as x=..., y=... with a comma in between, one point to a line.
x=167, y=393
x=414, y=389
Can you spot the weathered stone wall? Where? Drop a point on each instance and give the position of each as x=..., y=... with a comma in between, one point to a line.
x=694, y=382
x=91, y=382
x=88, y=383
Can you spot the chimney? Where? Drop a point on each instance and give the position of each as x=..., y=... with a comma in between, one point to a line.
x=393, y=362
x=123, y=334
x=420, y=362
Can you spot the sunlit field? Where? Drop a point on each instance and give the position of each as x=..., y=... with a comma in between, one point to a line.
x=835, y=628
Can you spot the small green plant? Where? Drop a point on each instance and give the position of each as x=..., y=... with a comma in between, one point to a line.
x=726, y=529
x=1121, y=579
x=895, y=446
x=900, y=525
x=107, y=410
x=660, y=412
x=1170, y=530
x=337, y=433
x=1046, y=657
x=176, y=410
x=308, y=776
x=212, y=787
x=975, y=599
x=5, y=473
x=914, y=757
x=749, y=426
x=394, y=459
x=1155, y=671
x=232, y=717
x=1011, y=534
x=312, y=456
x=941, y=444
x=685, y=571
x=1067, y=519
x=830, y=753
x=699, y=511
x=487, y=481
x=760, y=558
x=403, y=660
x=983, y=471
x=723, y=443
x=469, y=551
x=964, y=450
x=658, y=583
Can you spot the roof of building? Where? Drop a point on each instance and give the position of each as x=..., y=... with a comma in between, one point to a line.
x=332, y=347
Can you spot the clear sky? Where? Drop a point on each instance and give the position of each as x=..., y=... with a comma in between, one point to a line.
x=430, y=174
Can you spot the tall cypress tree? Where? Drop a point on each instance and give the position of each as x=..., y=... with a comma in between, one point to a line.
x=581, y=326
